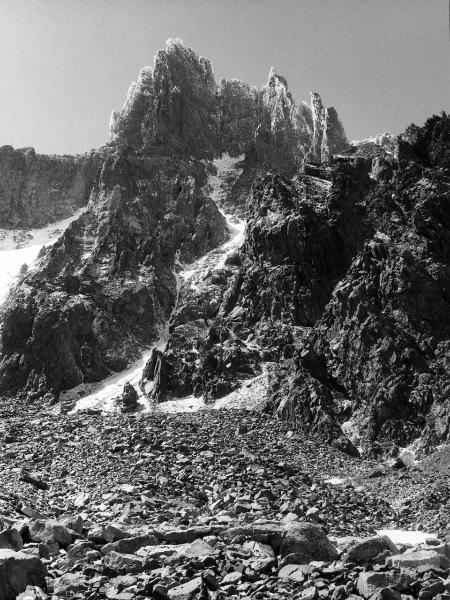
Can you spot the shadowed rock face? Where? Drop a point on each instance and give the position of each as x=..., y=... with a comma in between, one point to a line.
x=36, y=190
x=341, y=289
x=379, y=352
x=99, y=294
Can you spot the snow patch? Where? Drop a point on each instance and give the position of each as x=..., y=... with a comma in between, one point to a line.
x=335, y=481
x=409, y=538
x=101, y=395
x=20, y=246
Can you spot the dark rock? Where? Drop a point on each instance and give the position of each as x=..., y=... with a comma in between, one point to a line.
x=367, y=550
x=128, y=400
x=17, y=571
x=304, y=542
x=11, y=539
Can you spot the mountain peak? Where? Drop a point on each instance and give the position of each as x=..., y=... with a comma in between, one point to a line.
x=174, y=44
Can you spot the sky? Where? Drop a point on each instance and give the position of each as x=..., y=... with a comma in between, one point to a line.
x=65, y=65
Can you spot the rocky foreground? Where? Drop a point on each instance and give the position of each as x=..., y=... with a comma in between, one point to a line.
x=214, y=504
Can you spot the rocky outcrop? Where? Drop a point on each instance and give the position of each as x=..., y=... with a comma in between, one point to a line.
x=177, y=108
x=340, y=290
x=328, y=135
x=102, y=292
x=36, y=190
x=377, y=355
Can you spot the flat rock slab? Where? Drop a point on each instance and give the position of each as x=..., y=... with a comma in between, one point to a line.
x=415, y=559
x=130, y=545
x=292, y=572
x=370, y=583
x=186, y=591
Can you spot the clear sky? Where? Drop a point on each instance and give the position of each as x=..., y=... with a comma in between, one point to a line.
x=66, y=64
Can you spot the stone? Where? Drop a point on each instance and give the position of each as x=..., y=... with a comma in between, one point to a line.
x=267, y=533
x=305, y=542
x=368, y=549
x=129, y=398
x=185, y=536
x=34, y=479
x=11, y=538
x=106, y=533
x=32, y=592
x=75, y=523
x=186, y=591
x=231, y=578
x=48, y=530
x=371, y=582
x=17, y=571
x=387, y=594
x=414, y=559
x=292, y=572
x=123, y=563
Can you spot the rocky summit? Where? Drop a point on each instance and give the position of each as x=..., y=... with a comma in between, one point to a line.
x=224, y=342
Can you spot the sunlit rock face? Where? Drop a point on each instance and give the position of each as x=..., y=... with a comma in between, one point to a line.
x=177, y=108
x=100, y=295
x=328, y=132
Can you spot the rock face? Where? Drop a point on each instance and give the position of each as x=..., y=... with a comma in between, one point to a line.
x=177, y=108
x=101, y=293
x=104, y=291
x=343, y=284
x=36, y=190
x=377, y=353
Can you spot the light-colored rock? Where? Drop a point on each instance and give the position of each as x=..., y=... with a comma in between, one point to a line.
x=128, y=563
x=292, y=572
x=130, y=545
x=371, y=582
x=414, y=559
x=186, y=591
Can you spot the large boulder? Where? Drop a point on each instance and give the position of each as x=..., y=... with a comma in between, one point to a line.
x=17, y=571
x=48, y=530
x=304, y=542
x=266, y=533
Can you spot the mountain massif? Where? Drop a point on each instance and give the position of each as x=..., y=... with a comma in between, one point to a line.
x=230, y=257
x=338, y=297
